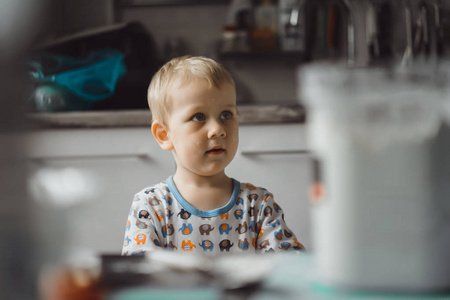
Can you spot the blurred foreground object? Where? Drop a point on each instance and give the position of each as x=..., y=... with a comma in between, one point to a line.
x=169, y=275
x=19, y=254
x=382, y=139
x=64, y=283
x=157, y=275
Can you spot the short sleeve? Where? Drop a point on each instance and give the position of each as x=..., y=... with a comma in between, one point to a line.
x=274, y=234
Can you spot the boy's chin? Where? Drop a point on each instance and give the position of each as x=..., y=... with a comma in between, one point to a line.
x=212, y=173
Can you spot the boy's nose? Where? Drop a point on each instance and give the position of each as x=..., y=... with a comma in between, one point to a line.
x=216, y=130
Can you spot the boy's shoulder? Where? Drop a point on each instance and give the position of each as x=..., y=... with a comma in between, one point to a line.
x=159, y=190
x=254, y=192
x=152, y=189
x=246, y=186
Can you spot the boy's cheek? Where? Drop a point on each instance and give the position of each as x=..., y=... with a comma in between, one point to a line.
x=235, y=137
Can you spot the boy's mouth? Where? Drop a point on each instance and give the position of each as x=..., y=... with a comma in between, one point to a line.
x=216, y=150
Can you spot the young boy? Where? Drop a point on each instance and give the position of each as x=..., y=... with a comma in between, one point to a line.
x=200, y=208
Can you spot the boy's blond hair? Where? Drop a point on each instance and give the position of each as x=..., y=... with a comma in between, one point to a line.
x=179, y=71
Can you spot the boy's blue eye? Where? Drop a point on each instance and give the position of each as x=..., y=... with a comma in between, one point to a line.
x=226, y=115
x=198, y=117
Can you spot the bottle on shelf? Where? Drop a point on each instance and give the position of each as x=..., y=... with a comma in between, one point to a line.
x=264, y=33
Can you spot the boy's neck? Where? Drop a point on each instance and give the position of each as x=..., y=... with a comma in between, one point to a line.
x=199, y=181
x=204, y=192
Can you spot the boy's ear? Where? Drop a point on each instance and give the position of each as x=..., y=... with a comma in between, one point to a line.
x=161, y=135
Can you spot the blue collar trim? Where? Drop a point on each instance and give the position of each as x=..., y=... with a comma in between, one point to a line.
x=205, y=213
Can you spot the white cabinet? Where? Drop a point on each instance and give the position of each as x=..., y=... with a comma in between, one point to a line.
x=276, y=157
x=91, y=176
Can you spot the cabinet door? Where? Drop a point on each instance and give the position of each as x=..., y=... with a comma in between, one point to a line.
x=88, y=178
x=276, y=157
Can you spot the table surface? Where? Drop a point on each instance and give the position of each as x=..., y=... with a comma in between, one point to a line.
x=291, y=277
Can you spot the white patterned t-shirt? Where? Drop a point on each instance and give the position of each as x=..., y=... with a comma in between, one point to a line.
x=251, y=221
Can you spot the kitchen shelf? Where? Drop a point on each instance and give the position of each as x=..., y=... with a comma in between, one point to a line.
x=290, y=56
x=248, y=114
x=130, y=3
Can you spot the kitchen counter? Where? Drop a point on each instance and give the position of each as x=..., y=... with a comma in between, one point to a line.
x=248, y=114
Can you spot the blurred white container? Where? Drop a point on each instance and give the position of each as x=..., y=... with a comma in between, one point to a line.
x=383, y=222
